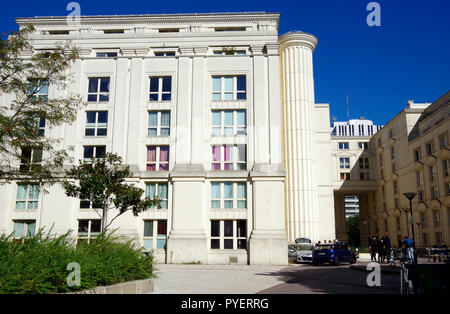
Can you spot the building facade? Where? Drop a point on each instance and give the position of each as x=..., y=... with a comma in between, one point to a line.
x=213, y=113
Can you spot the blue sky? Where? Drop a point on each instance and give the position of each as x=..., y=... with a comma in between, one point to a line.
x=381, y=68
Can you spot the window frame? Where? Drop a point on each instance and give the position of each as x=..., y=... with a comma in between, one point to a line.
x=235, y=163
x=158, y=161
x=155, y=235
x=164, y=201
x=223, y=127
x=235, y=199
x=27, y=200
x=160, y=93
x=235, y=237
x=158, y=127
x=90, y=234
x=98, y=93
x=235, y=92
x=96, y=125
x=26, y=223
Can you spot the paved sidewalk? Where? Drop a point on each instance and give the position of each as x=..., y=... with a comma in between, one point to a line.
x=215, y=279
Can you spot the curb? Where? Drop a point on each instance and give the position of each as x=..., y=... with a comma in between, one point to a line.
x=130, y=287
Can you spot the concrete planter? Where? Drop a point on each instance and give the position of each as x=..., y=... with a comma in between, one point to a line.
x=130, y=287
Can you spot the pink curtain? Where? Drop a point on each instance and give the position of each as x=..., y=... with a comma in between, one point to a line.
x=164, y=153
x=228, y=153
x=151, y=154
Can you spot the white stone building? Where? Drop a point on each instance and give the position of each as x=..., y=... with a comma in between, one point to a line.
x=215, y=114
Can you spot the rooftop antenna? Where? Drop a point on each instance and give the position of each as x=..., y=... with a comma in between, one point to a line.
x=348, y=108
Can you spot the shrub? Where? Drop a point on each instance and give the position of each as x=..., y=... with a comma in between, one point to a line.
x=38, y=264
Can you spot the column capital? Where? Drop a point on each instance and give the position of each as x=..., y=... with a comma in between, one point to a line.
x=187, y=51
x=272, y=48
x=257, y=49
x=298, y=39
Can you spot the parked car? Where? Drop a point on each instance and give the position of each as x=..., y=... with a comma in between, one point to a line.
x=304, y=252
x=333, y=253
x=292, y=252
x=302, y=240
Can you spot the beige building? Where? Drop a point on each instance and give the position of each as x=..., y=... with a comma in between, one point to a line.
x=411, y=154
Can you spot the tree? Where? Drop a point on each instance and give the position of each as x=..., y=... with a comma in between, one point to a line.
x=353, y=230
x=101, y=182
x=26, y=153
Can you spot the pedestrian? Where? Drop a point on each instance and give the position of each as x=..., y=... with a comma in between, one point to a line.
x=325, y=241
x=373, y=249
x=409, y=248
x=381, y=250
x=388, y=246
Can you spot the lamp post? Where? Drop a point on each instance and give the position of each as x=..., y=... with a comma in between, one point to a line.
x=410, y=196
x=405, y=210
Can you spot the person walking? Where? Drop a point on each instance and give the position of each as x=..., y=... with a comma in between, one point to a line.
x=381, y=250
x=373, y=249
x=388, y=246
x=409, y=249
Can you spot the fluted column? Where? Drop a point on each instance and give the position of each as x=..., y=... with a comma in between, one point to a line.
x=296, y=50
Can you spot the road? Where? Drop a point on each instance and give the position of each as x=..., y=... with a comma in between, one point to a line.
x=331, y=279
x=247, y=279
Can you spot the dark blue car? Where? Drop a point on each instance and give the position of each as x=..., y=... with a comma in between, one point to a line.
x=333, y=253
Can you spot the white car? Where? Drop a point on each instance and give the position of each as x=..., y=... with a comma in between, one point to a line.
x=304, y=252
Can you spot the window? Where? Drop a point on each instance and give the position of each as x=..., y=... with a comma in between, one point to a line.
x=391, y=133
x=417, y=154
x=420, y=196
x=160, y=88
x=158, y=189
x=229, y=88
x=364, y=176
x=447, y=188
x=394, y=168
x=381, y=174
x=93, y=151
x=438, y=237
x=443, y=140
x=380, y=158
x=88, y=228
x=113, y=31
x=344, y=163
x=392, y=152
x=383, y=192
x=423, y=220
x=397, y=221
x=169, y=30
x=157, y=158
x=228, y=195
x=395, y=186
x=343, y=145
x=24, y=228
x=30, y=156
x=96, y=123
x=38, y=89
x=396, y=203
x=98, y=90
x=106, y=54
x=164, y=53
x=379, y=142
x=27, y=196
x=229, y=52
x=230, y=29
x=158, y=123
x=229, y=157
x=446, y=167
x=432, y=170
x=229, y=122
x=419, y=177
x=436, y=218
x=429, y=148
x=363, y=163
x=155, y=234
x=425, y=239
x=229, y=234
x=345, y=176
x=363, y=145
x=85, y=204
x=434, y=192
x=40, y=122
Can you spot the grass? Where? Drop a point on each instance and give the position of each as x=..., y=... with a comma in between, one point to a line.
x=39, y=264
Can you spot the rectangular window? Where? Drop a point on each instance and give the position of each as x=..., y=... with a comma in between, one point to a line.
x=443, y=140
x=364, y=163
x=155, y=234
x=229, y=122
x=436, y=218
x=96, y=123
x=345, y=176
x=98, y=90
x=93, y=151
x=30, y=156
x=229, y=87
x=419, y=178
x=38, y=89
x=343, y=145
x=24, y=228
x=434, y=192
x=394, y=168
x=160, y=88
x=88, y=229
x=420, y=196
x=27, y=196
x=157, y=158
x=446, y=167
x=158, y=123
x=395, y=185
x=364, y=176
x=392, y=152
x=423, y=220
x=397, y=221
x=229, y=157
x=429, y=148
x=159, y=190
x=438, y=238
x=432, y=170
x=447, y=188
x=344, y=163
x=164, y=53
x=417, y=154
x=227, y=195
x=363, y=145
x=106, y=54
x=228, y=234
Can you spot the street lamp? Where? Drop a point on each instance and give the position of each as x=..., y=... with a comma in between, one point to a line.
x=410, y=196
x=405, y=210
